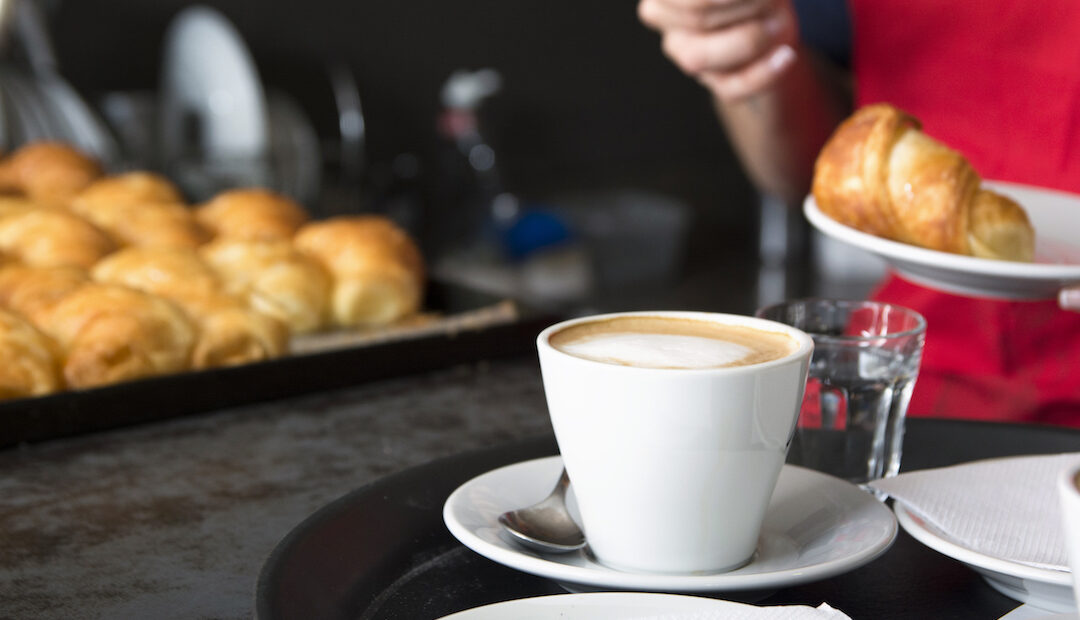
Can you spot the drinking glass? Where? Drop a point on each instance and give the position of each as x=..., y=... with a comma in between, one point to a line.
x=866, y=359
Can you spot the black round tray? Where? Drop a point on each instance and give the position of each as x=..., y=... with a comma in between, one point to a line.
x=383, y=551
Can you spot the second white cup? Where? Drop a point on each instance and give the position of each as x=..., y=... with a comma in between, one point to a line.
x=1069, y=496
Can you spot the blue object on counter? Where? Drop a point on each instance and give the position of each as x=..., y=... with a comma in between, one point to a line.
x=535, y=229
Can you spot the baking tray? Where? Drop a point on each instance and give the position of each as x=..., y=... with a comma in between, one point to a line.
x=459, y=325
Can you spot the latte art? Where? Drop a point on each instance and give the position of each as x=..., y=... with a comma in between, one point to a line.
x=664, y=342
x=659, y=351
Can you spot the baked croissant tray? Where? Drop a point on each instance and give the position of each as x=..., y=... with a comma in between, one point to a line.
x=122, y=304
x=471, y=326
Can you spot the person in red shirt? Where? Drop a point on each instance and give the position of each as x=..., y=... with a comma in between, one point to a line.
x=997, y=81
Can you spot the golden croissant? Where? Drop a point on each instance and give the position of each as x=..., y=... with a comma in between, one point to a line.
x=140, y=209
x=49, y=173
x=275, y=278
x=29, y=360
x=32, y=291
x=42, y=237
x=879, y=173
x=376, y=268
x=228, y=331
x=113, y=333
x=252, y=214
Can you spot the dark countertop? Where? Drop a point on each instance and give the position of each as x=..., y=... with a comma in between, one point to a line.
x=175, y=519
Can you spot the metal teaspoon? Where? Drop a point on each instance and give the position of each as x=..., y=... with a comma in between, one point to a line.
x=546, y=526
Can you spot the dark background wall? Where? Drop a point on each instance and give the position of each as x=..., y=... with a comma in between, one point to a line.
x=588, y=99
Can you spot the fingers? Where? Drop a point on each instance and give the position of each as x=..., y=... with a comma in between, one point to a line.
x=727, y=49
x=735, y=48
x=1069, y=298
x=665, y=15
x=751, y=79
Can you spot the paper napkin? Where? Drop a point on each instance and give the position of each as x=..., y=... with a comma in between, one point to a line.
x=1005, y=508
x=740, y=611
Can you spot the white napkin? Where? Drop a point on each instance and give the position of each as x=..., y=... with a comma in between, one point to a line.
x=1005, y=508
x=741, y=611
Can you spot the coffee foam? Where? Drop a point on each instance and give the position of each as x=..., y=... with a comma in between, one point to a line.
x=649, y=341
x=659, y=350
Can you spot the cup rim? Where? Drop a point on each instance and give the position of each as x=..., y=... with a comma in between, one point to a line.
x=920, y=326
x=804, y=340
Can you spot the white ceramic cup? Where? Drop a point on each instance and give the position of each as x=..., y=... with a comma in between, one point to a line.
x=1069, y=498
x=673, y=469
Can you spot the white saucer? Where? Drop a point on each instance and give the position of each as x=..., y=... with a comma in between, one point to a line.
x=1057, y=250
x=1027, y=612
x=1050, y=590
x=817, y=526
x=602, y=606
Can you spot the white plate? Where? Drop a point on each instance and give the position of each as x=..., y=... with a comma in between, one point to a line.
x=1041, y=587
x=601, y=606
x=1054, y=215
x=208, y=74
x=816, y=526
x=1027, y=612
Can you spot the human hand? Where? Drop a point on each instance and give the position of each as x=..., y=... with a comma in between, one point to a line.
x=1069, y=298
x=736, y=48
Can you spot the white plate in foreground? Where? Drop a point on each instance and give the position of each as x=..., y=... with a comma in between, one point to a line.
x=1040, y=587
x=602, y=606
x=1054, y=215
x=817, y=526
x=1028, y=612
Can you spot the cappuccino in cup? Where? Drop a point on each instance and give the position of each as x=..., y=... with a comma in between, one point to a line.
x=666, y=342
x=673, y=427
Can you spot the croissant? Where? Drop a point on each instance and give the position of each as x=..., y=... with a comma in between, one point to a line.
x=155, y=224
x=140, y=209
x=376, y=268
x=111, y=333
x=229, y=332
x=16, y=204
x=51, y=237
x=169, y=272
x=252, y=214
x=135, y=187
x=28, y=359
x=49, y=173
x=879, y=173
x=31, y=291
x=275, y=278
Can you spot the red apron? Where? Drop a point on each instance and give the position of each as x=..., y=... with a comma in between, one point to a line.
x=1000, y=82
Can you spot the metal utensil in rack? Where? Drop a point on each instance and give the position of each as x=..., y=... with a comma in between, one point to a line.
x=36, y=102
x=351, y=124
x=294, y=149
